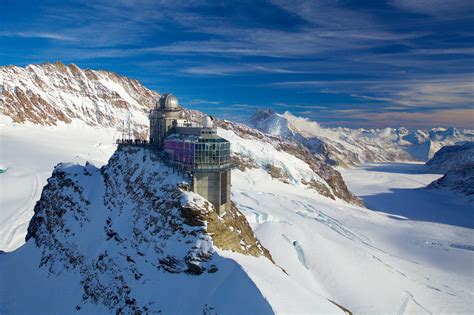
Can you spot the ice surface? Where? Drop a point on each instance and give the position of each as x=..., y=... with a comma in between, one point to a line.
x=366, y=260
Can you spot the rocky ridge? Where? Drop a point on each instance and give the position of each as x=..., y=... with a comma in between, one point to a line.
x=452, y=157
x=52, y=93
x=126, y=226
x=457, y=164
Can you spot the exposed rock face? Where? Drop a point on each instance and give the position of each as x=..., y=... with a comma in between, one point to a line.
x=459, y=180
x=231, y=231
x=121, y=227
x=326, y=181
x=452, y=157
x=457, y=162
x=50, y=93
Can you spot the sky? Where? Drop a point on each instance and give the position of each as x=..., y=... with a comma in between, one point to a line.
x=341, y=63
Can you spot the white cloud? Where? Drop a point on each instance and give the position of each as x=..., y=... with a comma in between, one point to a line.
x=46, y=35
x=438, y=8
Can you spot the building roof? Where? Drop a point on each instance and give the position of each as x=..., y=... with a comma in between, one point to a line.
x=169, y=101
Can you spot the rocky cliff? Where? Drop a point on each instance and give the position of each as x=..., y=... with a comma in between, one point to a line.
x=51, y=93
x=457, y=164
x=453, y=157
x=127, y=236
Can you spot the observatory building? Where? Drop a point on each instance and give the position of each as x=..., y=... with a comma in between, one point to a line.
x=195, y=148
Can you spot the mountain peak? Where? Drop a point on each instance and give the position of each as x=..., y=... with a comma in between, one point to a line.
x=132, y=227
x=53, y=93
x=345, y=146
x=270, y=122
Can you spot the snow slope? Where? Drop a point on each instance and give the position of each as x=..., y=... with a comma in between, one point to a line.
x=458, y=180
x=29, y=153
x=369, y=261
x=349, y=147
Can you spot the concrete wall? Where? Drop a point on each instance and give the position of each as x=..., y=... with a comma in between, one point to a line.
x=161, y=121
x=215, y=187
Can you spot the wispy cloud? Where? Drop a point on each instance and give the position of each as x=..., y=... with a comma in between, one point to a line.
x=423, y=91
x=45, y=35
x=311, y=56
x=438, y=8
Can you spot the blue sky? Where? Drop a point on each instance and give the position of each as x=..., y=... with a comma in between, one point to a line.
x=342, y=63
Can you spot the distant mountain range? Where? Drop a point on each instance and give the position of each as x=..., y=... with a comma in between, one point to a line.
x=346, y=147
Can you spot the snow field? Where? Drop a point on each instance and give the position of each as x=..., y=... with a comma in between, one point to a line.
x=364, y=260
x=30, y=153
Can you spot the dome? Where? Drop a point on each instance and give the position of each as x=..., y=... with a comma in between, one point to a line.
x=207, y=122
x=168, y=101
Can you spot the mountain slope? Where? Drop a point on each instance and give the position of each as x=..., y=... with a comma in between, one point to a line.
x=53, y=92
x=346, y=147
x=451, y=158
x=63, y=113
x=460, y=181
x=129, y=238
x=457, y=162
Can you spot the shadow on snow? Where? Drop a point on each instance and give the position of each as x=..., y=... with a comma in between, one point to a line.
x=423, y=205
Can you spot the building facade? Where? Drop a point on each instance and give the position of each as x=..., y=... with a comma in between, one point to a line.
x=196, y=149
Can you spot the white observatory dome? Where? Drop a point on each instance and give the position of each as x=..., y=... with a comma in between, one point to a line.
x=169, y=101
x=207, y=122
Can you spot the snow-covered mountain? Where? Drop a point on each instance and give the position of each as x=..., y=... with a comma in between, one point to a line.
x=452, y=157
x=50, y=93
x=43, y=97
x=346, y=147
x=459, y=180
x=129, y=236
x=457, y=163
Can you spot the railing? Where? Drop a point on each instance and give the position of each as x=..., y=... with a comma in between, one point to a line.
x=197, y=166
x=138, y=142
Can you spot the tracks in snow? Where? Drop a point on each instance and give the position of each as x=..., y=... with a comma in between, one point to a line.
x=404, y=303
